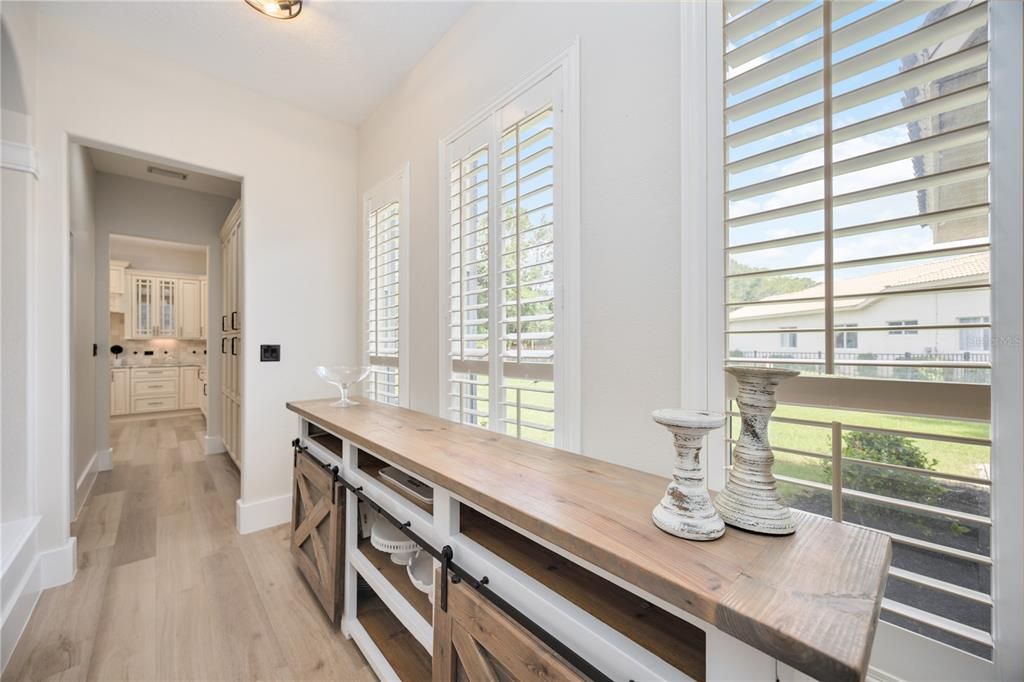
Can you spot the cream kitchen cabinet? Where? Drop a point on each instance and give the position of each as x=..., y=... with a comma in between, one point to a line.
x=165, y=305
x=154, y=389
x=153, y=306
x=141, y=318
x=190, y=308
x=231, y=344
x=204, y=310
x=118, y=285
x=191, y=392
x=204, y=392
x=120, y=397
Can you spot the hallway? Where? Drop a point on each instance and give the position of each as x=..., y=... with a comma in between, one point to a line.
x=167, y=589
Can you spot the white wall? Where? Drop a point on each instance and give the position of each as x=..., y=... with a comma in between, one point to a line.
x=14, y=462
x=129, y=206
x=299, y=210
x=82, y=219
x=630, y=85
x=161, y=256
x=17, y=61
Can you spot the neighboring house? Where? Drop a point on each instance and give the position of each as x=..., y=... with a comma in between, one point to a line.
x=971, y=84
x=878, y=307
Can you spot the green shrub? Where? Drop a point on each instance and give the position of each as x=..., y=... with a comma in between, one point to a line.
x=889, y=449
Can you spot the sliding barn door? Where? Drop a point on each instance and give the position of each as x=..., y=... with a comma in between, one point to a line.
x=475, y=642
x=318, y=527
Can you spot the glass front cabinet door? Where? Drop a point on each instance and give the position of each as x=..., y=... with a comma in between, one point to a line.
x=143, y=320
x=167, y=302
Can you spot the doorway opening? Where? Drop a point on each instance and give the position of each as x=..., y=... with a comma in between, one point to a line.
x=149, y=280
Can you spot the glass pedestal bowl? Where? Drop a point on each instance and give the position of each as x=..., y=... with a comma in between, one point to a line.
x=343, y=376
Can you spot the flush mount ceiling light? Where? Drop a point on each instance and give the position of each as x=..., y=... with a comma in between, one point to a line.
x=279, y=9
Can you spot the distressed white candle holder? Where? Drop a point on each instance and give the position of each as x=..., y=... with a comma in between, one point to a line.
x=750, y=499
x=686, y=510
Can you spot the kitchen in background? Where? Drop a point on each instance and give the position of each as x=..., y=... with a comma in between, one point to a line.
x=158, y=317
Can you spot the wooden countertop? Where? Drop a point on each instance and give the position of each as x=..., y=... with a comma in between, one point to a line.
x=811, y=599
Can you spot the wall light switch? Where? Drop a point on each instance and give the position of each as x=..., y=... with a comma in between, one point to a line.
x=270, y=353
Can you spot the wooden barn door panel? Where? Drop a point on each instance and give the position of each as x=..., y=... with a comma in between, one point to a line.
x=475, y=642
x=318, y=527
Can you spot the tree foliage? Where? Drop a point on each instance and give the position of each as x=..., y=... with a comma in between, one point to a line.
x=757, y=288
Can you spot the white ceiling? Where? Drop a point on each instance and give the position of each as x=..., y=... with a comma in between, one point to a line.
x=338, y=59
x=119, y=164
x=157, y=255
x=121, y=243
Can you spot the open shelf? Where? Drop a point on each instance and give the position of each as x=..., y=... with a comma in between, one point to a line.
x=409, y=660
x=326, y=440
x=672, y=639
x=398, y=578
x=372, y=465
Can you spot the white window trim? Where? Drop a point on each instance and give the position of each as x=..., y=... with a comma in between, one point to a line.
x=567, y=252
x=897, y=653
x=400, y=178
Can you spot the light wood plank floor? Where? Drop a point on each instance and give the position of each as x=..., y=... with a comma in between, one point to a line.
x=166, y=589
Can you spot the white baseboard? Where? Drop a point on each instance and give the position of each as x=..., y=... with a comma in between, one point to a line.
x=146, y=416
x=256, y=516
x=105, y=460
x=83, y=486
x=19, y=582
x=57, y=566
x=214, y=445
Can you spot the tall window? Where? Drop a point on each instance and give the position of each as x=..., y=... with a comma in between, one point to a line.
x=856, y=195
x=510, y=236
x=383, y=210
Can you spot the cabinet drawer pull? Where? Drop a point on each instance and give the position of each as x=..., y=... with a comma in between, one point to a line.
x=234, y=320
x=233, y=339
x=223, y=323
x=222, y=340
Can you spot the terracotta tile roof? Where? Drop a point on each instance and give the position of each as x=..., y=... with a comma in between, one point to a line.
x=935, y=273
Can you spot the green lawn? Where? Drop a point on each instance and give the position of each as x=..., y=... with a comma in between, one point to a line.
x=532, y=395
x=955, y=458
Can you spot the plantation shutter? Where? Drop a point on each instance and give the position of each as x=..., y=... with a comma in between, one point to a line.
x=383, y=272
x=856, y=193
x=502, y=328
x=469, y=277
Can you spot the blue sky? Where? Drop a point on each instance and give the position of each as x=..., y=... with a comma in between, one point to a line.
x=900, y=240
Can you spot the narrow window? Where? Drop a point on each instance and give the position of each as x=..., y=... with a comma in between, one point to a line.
x=512, y=249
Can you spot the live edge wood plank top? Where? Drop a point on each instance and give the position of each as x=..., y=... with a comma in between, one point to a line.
x=811, y=599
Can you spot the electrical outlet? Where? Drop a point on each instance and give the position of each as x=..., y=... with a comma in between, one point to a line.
x=270, y=353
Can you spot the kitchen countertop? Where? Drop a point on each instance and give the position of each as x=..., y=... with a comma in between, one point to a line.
x=811, y=599
x=157, y=365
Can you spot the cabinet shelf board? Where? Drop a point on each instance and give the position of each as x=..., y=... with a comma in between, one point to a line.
x=680, y=644
x=328, y=442
x=372, y=466
x=399, y=579
x=407, y=658
x=395, y=601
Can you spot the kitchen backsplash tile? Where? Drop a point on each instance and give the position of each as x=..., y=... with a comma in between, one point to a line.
x=165, y=352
